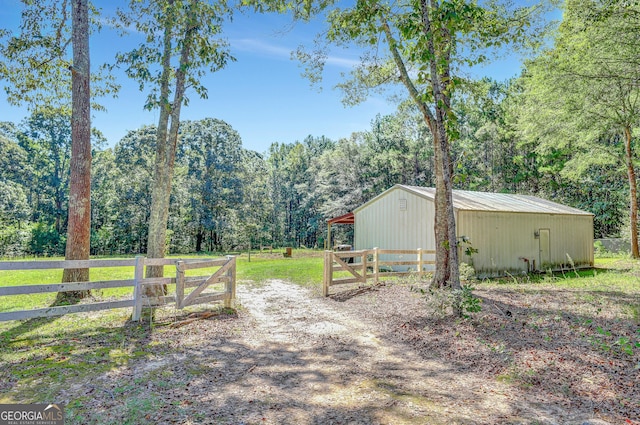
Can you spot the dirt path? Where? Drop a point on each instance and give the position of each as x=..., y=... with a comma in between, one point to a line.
x=328, y=367
x=292, y=357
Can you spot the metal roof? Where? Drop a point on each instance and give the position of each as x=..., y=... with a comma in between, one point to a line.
x=467, y=200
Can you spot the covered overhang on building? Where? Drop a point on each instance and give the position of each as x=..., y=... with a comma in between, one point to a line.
x=347, y=218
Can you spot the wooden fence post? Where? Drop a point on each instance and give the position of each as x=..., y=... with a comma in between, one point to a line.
x=376, y=265
x=180, y=281
x=420, y=263
x=328, y=273
x=364, y=266
x=230, y=285
x=138, y=275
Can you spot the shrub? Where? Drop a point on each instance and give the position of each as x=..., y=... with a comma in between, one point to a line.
x=45, y=240
x=442, y=301
x=465, y=302
x=14, y=240
x=467, y=273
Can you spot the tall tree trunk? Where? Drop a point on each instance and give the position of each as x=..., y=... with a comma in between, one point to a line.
x=452, y=237
x=157, y=241
x=440, y=80
x=79, y=227
x=441, y=274
x=199, y=238
x=440, y=228
x=161, y=191
x=633, y=193
x=166, y=151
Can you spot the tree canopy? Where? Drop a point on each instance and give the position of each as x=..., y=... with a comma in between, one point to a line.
x=582, y=96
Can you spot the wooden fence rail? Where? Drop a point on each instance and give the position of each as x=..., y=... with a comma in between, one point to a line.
x=138, y=283
x=370, y=265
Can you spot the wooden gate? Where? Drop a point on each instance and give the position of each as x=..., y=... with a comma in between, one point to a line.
x=374, y=268
x=357, y=269
x=225, y=274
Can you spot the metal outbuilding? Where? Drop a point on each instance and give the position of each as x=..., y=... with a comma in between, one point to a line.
x=511, y=233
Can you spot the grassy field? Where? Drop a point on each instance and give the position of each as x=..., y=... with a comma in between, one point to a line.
x=41, y=357
x=305, y=268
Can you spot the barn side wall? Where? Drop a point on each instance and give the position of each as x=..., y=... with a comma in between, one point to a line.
x=386, y=225
x=505, y=239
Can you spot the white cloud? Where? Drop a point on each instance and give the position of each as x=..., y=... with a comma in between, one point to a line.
x=277, y=51
x=259, y=46
x=342, y=62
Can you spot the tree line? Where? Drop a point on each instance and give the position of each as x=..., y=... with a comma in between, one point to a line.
x=226, y=197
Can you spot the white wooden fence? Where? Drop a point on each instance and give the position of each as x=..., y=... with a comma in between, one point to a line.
x=369, y=264
x=226, y=274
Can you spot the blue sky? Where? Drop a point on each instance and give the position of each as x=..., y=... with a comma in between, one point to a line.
x=262, y=95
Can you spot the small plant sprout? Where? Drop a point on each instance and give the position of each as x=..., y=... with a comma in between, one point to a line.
x=573, y=264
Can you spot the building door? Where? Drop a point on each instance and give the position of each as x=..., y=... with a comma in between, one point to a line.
x=545, y=249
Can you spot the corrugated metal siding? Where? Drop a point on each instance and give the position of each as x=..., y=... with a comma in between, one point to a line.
x=383, y=224
x=504, y=239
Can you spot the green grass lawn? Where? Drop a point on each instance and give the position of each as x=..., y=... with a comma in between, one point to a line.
x=609, y=274
x=304, y=271
x=304, y=268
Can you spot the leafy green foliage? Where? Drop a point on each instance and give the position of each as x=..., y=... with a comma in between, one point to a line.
x=36, y=62
x=605, y=341
x=466, y=302
x=461, y=301
x=46, y=240
x=467, y=272
x=47, y=140
x=14, y=240
x=213, y=156
x=579, y=107
x=13, y=203
x=178, y=21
